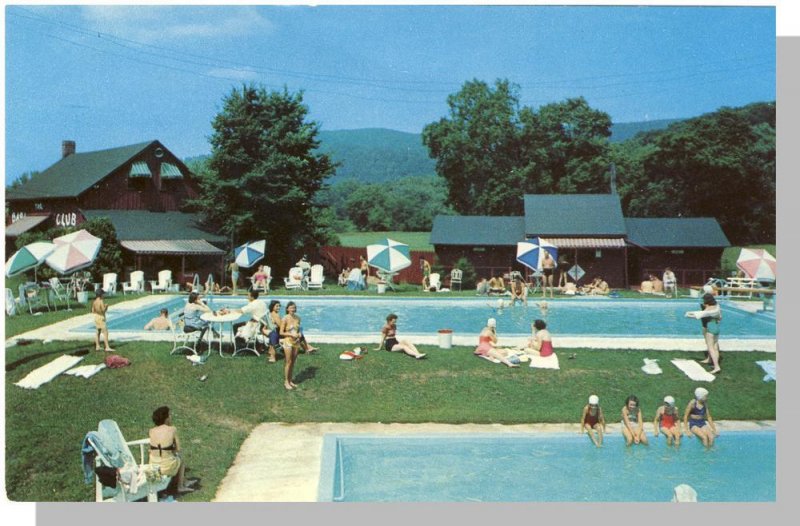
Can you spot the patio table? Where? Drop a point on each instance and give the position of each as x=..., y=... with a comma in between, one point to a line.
x=220, y=320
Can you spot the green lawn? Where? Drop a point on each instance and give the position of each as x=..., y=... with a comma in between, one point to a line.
x=415, y=240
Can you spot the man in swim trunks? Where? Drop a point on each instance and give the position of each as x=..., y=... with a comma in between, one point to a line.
x=548, y=269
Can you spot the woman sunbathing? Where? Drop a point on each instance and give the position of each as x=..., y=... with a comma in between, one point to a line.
x=487, y=345
x=541, y=342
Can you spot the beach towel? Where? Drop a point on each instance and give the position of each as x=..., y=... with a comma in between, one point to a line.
x=86, y=371
x=548, y=362
x=693, y=370
x=651, y=366
x=45, y=373
x=769, y=368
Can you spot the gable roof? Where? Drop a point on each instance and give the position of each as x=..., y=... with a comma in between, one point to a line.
x=676, y=232
x=76, y=173
x=477, y=230
x=141, y=225
x=573, y=215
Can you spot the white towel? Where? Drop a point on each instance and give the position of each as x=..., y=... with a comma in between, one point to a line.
x=45, y=373
x=693, y=370
x=86, y=371
x=549, y=362
x=769, y=368
x=651, y=366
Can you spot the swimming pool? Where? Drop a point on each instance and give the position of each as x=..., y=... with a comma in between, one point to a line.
x=543, y=468
x=565, y=317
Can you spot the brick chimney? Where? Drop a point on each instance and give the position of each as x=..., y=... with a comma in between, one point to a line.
x=67, y=148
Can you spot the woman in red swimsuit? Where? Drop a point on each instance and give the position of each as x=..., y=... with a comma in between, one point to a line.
x=668, y=420
x=541, y=343
x=592, y=421
x=487, y=345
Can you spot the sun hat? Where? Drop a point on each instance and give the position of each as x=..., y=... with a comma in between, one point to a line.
x=669, y=400
x=593, y=400
x=701, y=393
x=491, y=322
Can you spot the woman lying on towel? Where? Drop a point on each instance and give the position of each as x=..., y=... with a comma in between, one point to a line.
x=487, y=341
x=541, y=342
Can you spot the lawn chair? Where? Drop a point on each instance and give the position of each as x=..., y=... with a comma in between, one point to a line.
x=455, y=278
x=128, y=480
x=434, y=281
x=250, y=333
x=355, y=280
x=316, y=278
x=295, y=280
x=35, y=297
x=182, y=340
x=164, y=281
x=135, y=285
x=59, y=292
x=110, y=283
x=11, y=303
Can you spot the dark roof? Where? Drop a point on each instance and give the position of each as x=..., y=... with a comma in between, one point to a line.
x=76, y=173
x=676, y=232
x=573, y=215
x=477, y=230
x=144, y=225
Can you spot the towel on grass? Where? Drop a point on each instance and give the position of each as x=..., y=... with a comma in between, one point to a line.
x=651, y=366
x=45, y=373
x=769, y=368
x=549, y=362
x=86, y=371
x=693, y=370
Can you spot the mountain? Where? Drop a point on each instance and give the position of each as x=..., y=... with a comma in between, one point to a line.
x=622, y=131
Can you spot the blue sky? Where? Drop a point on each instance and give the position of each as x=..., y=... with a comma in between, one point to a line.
x=108, y=76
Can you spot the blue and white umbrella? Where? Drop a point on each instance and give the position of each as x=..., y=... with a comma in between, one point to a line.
x=28, y=257
x=389, y=255
x=249, y=254
x=531, y=253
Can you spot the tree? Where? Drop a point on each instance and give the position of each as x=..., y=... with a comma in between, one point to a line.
x=263, y=173
x=491, y=152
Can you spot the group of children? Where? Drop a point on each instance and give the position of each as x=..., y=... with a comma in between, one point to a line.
x=697, y=420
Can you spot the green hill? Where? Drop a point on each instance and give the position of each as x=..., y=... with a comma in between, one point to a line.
x=622, y=131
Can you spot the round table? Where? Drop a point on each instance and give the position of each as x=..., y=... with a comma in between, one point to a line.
x=221, y=320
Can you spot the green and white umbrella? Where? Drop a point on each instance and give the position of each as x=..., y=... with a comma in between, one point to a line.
x=389, y=255
x=28, y=257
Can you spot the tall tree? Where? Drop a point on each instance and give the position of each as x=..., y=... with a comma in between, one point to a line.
x=264, y=172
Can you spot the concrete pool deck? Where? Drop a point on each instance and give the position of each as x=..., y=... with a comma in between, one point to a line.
x=64, y=331
x=282, y=462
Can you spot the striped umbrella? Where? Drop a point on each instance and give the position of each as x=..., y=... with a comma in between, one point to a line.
x=758, y=264
x=531, y=253
x=389, y=255
x=251, y=253
x=28, y=257
x=74, y=251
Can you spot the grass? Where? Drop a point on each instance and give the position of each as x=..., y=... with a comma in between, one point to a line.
x=415, y=240
x=215, y=416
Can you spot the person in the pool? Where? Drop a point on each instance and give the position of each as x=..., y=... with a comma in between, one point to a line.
x=667, y=420
x=487, y=345
x=541, y=342
x=390, y=342
x=593, y=422
x=632, y=422
x=697, y=418
x=519, y=290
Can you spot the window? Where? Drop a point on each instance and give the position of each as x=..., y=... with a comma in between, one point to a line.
x=598, y=253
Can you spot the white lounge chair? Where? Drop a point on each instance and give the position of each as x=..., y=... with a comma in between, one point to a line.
x=182, y=340
x=110, y=283
x=164, y=281
x=317, y=277
x=112, y=451
x=434, y=281
x=295, y=279
x=455, y=278
x=267, y=281
x=59, y=291
x=11, y=303
x=136, y=283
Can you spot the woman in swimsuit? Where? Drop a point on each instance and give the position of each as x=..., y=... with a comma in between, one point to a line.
x=390, y=342
x=165, y=448
x=668, y=420
x=292, y=340
x=487, y=345
x=632, y=422
x=541, y=343
x=593, y=422
x=697, y=418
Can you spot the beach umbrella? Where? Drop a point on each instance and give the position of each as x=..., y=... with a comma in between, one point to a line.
x=757, y=263
x=531, y=253
x=250, y=253
x=73, y=252
x=389, y=255
x=28, y=257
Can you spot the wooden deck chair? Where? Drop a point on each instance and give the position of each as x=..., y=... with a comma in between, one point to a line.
x=112, y=451
x=164, y=281
x=136, y=283
x=295, y=279
x=434, y=281
x=110, y=283
x=317, y=277
x=455, y=278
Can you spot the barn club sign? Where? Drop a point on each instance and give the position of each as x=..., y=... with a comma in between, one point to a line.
x=67, y=219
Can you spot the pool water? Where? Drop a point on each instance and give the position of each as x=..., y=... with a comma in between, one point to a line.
x=544, y=468
x=571, y=317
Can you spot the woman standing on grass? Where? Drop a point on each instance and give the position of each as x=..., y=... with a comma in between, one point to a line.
x=632, y=422
x=593, y=422
x=697, y=418
x=99, y=309
x=390, y=342
x=290, y=333
x=710, y=316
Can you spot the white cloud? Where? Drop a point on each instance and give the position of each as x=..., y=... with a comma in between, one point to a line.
x=156, y=23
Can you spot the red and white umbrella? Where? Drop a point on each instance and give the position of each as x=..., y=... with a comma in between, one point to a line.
x=757, y=263
x=73, y=252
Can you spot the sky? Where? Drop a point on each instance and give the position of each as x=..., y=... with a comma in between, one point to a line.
x=108, y=76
